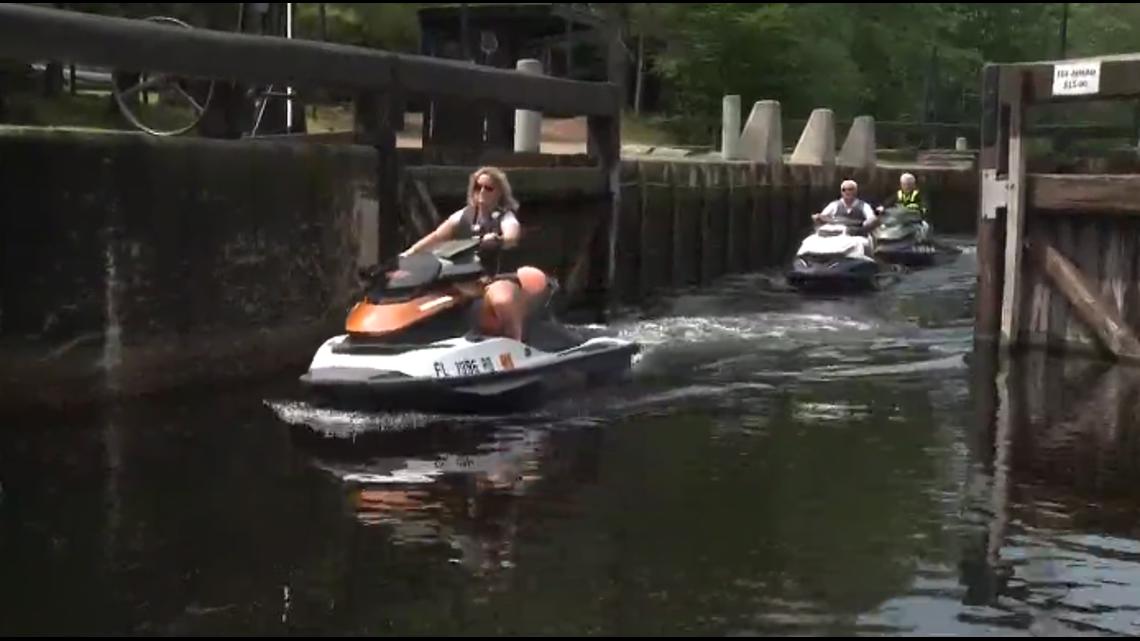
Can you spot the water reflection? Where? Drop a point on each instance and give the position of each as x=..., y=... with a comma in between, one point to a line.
x=1060, y=554
x=779, y=465
x=459, y=487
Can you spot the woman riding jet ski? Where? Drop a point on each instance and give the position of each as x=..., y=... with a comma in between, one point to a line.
x=837, y=256
x=905, y=238
x=436, y=333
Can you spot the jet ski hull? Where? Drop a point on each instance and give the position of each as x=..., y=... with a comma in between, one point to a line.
x=906, y=240
x=414, y=343
x=914, y=254
x=460, y=375
x=841, y=275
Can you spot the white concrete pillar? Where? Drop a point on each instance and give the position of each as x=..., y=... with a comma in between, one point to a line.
x=859, y=148
x=960, y=144
x=817, y=142
x=528, y=124
x=762, y=139
x=730, y=128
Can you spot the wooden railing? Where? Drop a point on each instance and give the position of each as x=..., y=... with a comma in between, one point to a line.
x=381, y=80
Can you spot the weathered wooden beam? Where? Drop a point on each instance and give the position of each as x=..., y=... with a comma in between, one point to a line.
x=992, y=197
x=373, y=126
x=421, y=190
x=604, y=143
x=1013, y=87
x=1117, y=194
x=1100, y=316
x=38, y=33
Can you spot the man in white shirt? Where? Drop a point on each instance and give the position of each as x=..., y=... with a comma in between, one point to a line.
x=848, y=210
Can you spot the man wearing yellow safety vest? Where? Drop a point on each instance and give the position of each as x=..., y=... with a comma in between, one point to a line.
x=907, y=196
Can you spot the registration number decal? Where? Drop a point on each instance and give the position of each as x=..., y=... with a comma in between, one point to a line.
x=464, y=367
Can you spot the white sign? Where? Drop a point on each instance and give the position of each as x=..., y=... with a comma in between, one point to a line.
x=1076, y=78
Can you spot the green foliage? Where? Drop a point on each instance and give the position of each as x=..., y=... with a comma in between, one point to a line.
x=900, y=61
x=392, y=26
x=756, y=51
x=1103, y=28
x=896, y=61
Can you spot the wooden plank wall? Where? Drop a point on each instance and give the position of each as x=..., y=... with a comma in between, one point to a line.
x=687, y=222
x=1104, y=249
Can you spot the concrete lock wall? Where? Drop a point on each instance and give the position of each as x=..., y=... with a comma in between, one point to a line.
x=136, y=263
x=131, y=263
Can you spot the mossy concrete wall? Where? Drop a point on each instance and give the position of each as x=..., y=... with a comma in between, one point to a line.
x=132, y=263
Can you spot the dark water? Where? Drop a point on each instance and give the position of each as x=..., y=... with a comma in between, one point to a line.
x=776, y=465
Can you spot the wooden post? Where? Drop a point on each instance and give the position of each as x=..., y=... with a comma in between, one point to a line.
x=373, y=126
x=992, y=207
x=605, y=145
x=1015, y=217
x=628, y=260
x=657, y=224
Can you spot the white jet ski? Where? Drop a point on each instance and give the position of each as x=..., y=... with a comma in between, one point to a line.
x=833, y=259
x=410, y=344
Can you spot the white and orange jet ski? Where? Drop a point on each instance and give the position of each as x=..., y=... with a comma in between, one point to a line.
x=410, y=344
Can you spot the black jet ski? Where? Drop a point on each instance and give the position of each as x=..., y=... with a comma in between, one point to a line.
x=410, y=344
x=834, y=259
x=904, y=238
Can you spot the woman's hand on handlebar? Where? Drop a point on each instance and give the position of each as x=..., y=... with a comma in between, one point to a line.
x=490, y=241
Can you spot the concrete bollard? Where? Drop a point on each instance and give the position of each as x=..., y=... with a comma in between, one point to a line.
x=817, y=142
x=730, y=128
x=762, y=139
x=528, y=124
x=960, y=144
x=859, y=147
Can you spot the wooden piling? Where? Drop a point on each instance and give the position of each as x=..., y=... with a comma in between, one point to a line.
x=739, y=215
x=629, y=229
x=991, y=213
x=686, y=225
x=800, y=208
x=779, y=208
x=714, y=222
x=373, y=126
x=656, y=179
x=760, y=219
x=1015, y=214
x=604, y=144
